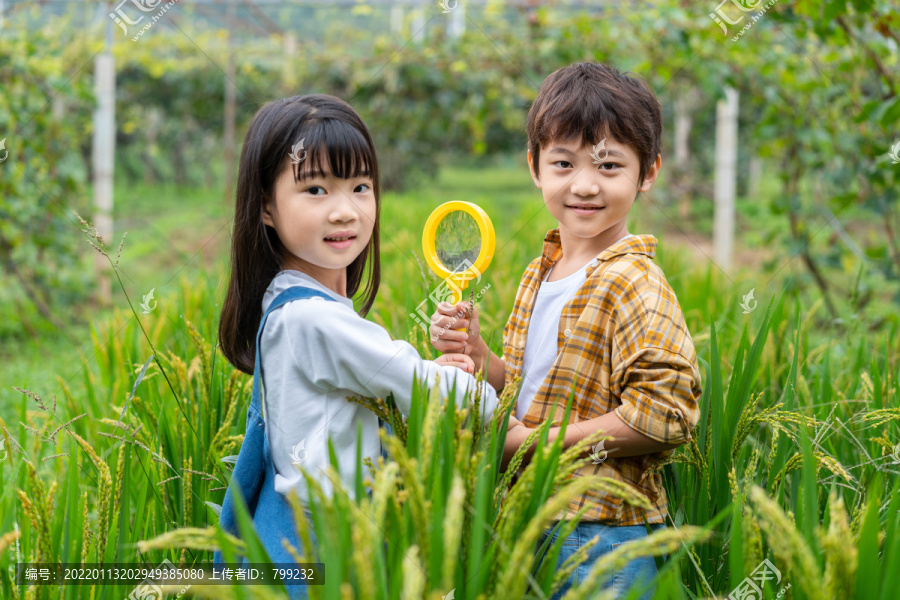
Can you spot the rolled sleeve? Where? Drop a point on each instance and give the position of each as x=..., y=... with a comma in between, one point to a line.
x=660, y=391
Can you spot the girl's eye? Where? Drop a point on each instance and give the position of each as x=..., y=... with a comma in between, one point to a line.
x=315, y=189
x=563, y=164
x=362, y=185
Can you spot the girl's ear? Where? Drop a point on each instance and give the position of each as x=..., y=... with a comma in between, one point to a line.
x=267, y=216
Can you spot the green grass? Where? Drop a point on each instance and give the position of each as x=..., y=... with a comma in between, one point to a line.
x=791, y=460
x=167, y=229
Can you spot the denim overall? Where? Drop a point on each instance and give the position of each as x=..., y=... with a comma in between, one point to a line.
x=254, y=472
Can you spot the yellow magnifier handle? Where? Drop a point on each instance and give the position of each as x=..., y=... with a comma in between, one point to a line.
x=459, y=281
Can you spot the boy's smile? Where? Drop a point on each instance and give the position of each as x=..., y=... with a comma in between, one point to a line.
x=590, y=199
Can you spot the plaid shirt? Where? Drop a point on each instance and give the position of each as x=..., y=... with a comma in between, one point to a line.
x=623, y=334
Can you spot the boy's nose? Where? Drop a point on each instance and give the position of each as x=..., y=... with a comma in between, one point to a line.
x=585, y=184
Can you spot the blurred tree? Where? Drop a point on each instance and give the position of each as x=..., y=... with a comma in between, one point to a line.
x=43, y=112
x=818, y=85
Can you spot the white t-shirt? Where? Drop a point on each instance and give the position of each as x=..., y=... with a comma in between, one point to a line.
x=317, y=352
x=540, y=342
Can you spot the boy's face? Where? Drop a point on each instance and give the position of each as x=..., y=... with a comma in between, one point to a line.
x=590, y=199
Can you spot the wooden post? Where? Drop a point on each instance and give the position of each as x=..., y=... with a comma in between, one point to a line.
x=289, y=73
x=457, y=24
x=104, y=147
x=397, y=19
x=725, y=177
x=683, y=122
x=753, y=178
x=230, y=111
x=154, y=120
x=418, y=24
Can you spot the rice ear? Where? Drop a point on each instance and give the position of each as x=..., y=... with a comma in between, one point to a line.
x=841, y=553
x=787, y=543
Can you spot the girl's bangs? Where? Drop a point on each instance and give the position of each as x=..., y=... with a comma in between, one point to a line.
x=334, y=143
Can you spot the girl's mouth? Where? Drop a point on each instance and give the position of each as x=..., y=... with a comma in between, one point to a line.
x=344, y=241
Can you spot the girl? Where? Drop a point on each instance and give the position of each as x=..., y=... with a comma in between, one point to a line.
x=306, y=226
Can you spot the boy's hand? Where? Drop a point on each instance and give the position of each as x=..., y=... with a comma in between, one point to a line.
x=462, y=361
x=515, y=437
x=444, y=323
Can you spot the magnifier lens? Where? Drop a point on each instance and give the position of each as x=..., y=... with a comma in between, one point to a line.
x=457, y=241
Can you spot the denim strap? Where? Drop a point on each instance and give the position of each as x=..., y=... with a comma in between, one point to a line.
x=289, y=295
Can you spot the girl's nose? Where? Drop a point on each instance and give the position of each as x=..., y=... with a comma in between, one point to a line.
x=345, y=209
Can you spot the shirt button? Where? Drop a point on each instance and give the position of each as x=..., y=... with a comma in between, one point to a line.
x=594, y=263
x=568, y=332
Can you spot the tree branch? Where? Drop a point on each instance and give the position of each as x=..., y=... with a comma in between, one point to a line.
x=872, y=55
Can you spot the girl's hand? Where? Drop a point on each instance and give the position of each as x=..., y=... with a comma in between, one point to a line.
x=461, y=361
x=444, y=323
x=514, y=422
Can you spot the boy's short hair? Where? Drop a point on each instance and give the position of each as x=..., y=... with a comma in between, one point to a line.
x=592, y=101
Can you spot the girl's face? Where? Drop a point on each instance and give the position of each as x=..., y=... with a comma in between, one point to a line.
x=315, y=216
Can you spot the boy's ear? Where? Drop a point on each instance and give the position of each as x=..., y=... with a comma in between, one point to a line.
x=534, y=177
x=652, y=174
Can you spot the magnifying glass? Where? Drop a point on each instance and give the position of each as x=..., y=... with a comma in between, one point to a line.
x=458, y=242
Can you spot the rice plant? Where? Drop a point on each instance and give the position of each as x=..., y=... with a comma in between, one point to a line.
x=794, y=462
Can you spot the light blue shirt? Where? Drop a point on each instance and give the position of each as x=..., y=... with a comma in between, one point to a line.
x=315, y=354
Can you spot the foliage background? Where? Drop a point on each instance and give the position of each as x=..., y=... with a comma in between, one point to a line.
x=817, y=223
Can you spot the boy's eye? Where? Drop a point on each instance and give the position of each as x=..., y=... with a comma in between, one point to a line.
x=562, y=164
x=607, y=166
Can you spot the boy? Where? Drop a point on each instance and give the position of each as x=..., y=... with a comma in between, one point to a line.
x=594, y=309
